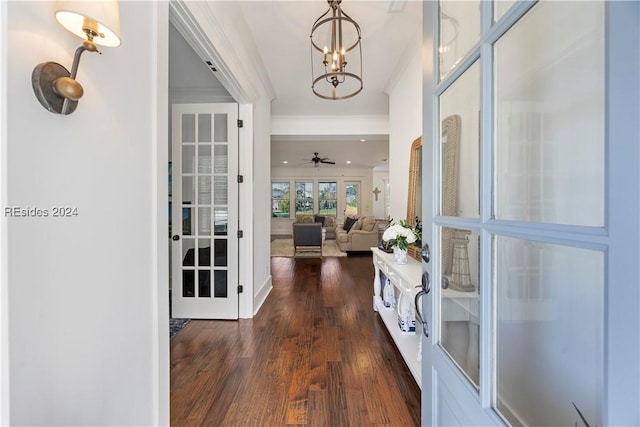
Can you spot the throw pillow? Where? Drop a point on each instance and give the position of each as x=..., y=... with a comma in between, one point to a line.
x=319, y=219
x=358, y=224
x=368, y=224
x=348, y=223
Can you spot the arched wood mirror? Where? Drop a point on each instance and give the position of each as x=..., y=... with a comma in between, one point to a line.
x=414, y=199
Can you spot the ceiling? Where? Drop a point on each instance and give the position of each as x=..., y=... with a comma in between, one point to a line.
x=281, y=29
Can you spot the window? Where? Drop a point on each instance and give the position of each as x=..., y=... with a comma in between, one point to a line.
x=304, y=198
x=352, y=189
x=280, y=200
x=328, y=198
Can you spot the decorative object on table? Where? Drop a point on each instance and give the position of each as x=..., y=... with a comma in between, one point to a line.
x=400, y=236
x=406, y=316
x=388, y=295
x=460, y=274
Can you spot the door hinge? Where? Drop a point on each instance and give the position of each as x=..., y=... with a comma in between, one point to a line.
x=240, y=289
x=240, y=234
x=240, y=179
x=240, y=123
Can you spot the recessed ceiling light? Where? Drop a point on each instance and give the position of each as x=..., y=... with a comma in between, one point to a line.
x=285, y=162
x=362, y=140
x=348, y=162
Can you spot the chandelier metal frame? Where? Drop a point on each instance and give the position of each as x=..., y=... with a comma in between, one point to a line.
x=334, y=55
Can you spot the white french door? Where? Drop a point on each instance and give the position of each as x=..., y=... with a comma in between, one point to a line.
x=534, y=297
x=205, y=211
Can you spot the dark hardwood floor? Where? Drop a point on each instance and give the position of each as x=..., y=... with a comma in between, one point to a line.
x=315, y=354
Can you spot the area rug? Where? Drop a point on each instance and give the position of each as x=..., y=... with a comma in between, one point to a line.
x=284, y=248
x=175, y=325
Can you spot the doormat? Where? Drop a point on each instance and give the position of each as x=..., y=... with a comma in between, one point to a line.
x=175, y=325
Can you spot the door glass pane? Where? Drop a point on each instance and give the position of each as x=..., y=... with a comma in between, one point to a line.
x=221, y=160
x=204, y=127
x=204, y=283
x=188, y=159
x=459, y=32
x=220, y=128
x=549, y=332
x=188, y=189
x=204, y=252
x=550, y=116
x=188, y=226
x=204, y=158
x=220, y=191
x=500, y=7
x=460, y=146
x=188, y=128
x=459, y=304
x=220, y=252
x=188, y=255
x=204, y=190
x=204, y=221
x=220, y=283
x=221, y=220
x=352, y=191
x=188, y=283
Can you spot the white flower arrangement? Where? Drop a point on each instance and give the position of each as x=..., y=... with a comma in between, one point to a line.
x=400, y=235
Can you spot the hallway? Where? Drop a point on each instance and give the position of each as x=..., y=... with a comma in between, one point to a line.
x=315, y=354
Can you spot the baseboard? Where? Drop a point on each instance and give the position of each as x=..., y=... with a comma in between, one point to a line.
x=261, y=295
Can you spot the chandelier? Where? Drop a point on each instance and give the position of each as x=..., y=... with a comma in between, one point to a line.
x=335, y=35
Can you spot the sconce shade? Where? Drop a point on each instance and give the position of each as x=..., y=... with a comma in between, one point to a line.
x=101, y=17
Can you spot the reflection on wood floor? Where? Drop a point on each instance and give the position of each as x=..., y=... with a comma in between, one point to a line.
x=315, y=354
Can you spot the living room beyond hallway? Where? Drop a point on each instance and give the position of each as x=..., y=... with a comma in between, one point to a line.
x=315, y=354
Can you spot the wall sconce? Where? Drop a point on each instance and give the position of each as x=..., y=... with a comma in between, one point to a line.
x=98, y=22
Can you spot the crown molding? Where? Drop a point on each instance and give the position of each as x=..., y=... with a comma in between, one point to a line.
x=242, y=73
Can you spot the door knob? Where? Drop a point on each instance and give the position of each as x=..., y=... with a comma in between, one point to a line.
x=426, y=287
x=176, y=237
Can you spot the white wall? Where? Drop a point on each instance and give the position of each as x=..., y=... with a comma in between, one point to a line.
x=84, y=290
x=379, y=179
x=261, y=187
x=405, y=125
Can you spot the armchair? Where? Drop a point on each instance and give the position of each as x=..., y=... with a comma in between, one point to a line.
x=307, y=236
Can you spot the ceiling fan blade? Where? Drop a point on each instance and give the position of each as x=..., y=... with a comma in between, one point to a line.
x=329, y=162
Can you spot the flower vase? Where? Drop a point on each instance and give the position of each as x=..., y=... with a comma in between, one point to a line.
x=399, y=255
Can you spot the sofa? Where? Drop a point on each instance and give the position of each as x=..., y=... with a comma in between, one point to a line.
x=358, y=234
x=328, y=223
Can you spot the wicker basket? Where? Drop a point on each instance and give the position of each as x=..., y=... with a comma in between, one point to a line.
x=414, y=252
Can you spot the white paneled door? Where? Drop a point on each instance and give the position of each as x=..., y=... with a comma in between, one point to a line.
x=534, y=298
x=205, y=211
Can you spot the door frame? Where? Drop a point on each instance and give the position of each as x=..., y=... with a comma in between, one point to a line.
x=620, y=234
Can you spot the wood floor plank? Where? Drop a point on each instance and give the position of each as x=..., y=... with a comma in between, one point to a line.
x=316, y=354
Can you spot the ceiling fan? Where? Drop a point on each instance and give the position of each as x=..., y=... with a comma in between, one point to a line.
x=317, y=160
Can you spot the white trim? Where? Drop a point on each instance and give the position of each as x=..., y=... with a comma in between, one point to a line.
x=200, y=25
x=622, y=291
x=199, y=95
x=262, y=294
x=245, y=211
x=5, y=418
x=160, y=261
x=340, y=125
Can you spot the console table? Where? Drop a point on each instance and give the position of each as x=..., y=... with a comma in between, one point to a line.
x=406, y=281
